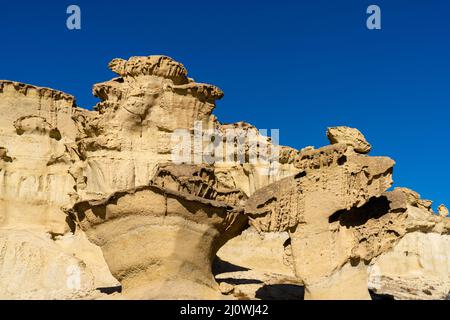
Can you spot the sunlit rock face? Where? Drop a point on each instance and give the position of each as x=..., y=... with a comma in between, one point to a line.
x=39, y=158
x=109, y=184
x=331, y=179
x=35, y=267
x=140, y=110
x=340, y=219
x=54, y=154
x=418, y=266
x=134, y=126
x=160, y=240
x=36, y=132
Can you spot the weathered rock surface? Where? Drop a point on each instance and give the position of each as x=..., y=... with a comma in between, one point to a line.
x=140, y=215
x=38, y=150
x=269, y=252
x=418, y=267
x=414, y=267
x=34, y=158
x=133, y=128
x=160, y=240
x=339, y=218
x=351, y=137
x=258, y=266
x=331, y=179
x=54, y=154
x=34, y=267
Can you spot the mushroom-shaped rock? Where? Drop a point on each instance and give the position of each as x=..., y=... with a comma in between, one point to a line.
x=160, y=240
x=349, y=136
x=54, y=154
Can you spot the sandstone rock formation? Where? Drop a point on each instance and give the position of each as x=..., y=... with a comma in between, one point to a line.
x=34, y=183
x=339, y=218
x=349, y=136
x=160, y=240
x=147, y=189
x=418, y=267
x=38, y=150
x=331, y=179
x=54, y=154
x=133, y=129
x=258, y=266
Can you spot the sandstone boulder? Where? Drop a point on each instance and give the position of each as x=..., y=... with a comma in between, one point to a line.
x=351, y=137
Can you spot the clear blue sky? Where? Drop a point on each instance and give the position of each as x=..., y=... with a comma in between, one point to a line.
x=297, y=66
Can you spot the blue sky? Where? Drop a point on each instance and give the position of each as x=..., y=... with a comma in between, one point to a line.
x=297, y=66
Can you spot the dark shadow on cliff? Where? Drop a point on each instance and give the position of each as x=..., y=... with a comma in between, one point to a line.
x=380, y=297
x=219, y=266
x=373, y=209
x=110, y=290
x=240, y=281
x=281, y=292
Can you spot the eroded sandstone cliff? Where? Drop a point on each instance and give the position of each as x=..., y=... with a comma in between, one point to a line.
x=100, y=199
